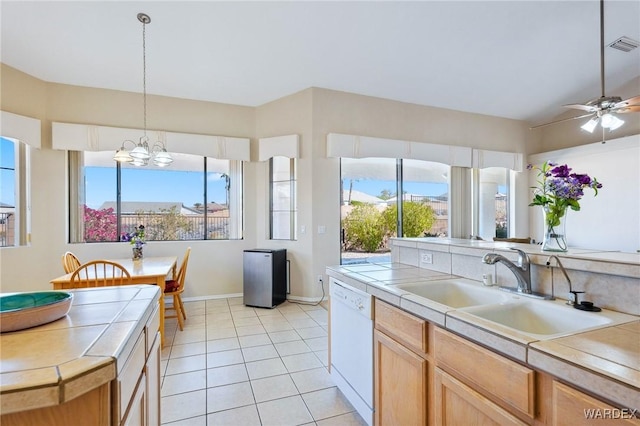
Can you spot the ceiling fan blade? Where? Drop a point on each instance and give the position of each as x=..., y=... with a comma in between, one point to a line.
x=560, y=121
x=624, y=110
x=627, y=102
x=588, y=108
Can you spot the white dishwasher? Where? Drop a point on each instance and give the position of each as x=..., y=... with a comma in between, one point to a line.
x=352, y=346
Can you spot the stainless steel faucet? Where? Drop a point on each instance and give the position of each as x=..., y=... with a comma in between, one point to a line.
x=522, y=270
x=574, y=294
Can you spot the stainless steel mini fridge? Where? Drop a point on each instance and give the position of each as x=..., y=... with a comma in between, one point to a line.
x=265, y=277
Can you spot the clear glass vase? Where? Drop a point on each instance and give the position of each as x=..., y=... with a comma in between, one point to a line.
x=555, y=237
x=137, y=253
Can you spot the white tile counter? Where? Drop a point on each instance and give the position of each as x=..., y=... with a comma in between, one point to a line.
x=53, y=363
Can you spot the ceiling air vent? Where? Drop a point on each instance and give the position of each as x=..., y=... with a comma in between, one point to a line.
x=625, y=44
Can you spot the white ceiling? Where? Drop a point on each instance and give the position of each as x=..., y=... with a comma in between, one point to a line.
x=515, y=59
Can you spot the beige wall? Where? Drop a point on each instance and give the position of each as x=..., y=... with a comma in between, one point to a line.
x=287, y=116
x=21, y=93
x=216, y=266
x=341, y=112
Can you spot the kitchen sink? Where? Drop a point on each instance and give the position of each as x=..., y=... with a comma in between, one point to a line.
x=543, y=318
x=455, y=293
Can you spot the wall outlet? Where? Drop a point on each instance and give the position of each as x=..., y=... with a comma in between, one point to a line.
x=426, y=258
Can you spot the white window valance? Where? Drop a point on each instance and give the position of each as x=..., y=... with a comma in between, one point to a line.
x=24, y=129
x=279, y=146
x=85, y=137
x=483, y=159
x=352, y=146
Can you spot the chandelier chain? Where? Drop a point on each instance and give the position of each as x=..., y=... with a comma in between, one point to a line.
x=602, y=46
x=143, y=152
x=144, y=74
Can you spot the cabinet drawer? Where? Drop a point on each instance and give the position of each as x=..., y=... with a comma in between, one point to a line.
x=406, y=328
x=495, y=375
x=151, y=329
x=130, y=374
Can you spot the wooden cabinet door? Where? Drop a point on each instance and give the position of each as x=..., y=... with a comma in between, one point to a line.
x=92, y=408
x=137, y=412
x=457, y=404
x=573, y=407
x=152, y=372
x=401, y=379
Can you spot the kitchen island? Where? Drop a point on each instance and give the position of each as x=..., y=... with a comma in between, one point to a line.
x=98, y=365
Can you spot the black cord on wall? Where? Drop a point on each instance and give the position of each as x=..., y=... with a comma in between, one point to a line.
x=289, y=288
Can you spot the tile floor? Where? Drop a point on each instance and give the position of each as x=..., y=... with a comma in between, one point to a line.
x=241, y=366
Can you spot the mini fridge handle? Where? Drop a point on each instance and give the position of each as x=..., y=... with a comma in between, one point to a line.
x=288, y=276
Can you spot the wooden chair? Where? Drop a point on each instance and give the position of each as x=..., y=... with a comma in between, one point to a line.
x=175, y=287
x=100, y=273
x=70, y=262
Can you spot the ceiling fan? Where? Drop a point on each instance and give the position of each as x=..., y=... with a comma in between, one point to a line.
x=603, y=110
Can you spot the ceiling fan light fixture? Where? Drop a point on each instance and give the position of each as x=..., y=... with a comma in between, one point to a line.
x=605, y=108
x=590, y=125
x=617, y=123
x=611, y=122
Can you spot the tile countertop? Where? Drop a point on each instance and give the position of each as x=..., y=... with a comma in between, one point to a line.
x=604, y=360
x=55, y=362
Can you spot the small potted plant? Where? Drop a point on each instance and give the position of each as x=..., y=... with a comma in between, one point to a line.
x=136, y=239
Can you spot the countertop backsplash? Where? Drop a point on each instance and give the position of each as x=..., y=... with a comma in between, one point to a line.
x=610, y=280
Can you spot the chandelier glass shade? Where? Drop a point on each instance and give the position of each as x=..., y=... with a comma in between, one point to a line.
x=142, y=152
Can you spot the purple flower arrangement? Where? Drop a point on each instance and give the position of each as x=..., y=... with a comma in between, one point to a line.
x=136, y=237
x=559, y=189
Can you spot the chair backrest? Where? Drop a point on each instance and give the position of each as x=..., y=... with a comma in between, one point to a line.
x=70, y=262
x=182, y=272
x=100, y=273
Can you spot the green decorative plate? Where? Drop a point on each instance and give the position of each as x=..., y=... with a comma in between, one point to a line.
x=25, y=310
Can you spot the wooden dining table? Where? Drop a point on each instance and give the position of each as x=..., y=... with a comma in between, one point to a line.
x=148, y=270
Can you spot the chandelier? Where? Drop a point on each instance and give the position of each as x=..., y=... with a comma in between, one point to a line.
x=142, y=152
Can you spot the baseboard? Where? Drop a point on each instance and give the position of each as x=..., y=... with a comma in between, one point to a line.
x=226, y=296
x=215, y=296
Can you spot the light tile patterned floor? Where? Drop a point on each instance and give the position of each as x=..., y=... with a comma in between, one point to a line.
x=240, y=366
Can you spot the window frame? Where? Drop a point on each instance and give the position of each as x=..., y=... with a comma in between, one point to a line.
x=22, y=193
x=404, y=176
x=464, y=202
x=293, y=211
x=77, y=200
x=476, y=194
